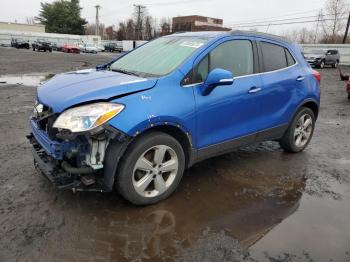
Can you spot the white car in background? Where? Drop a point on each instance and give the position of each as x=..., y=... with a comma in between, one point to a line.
x=100, y=48
x=89, y=48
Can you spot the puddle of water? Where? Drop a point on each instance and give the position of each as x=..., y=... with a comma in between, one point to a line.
x=225, y=194
x=224, y=208
x=27, y=79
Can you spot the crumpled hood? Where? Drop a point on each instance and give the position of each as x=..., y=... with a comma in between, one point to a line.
x=68, y=89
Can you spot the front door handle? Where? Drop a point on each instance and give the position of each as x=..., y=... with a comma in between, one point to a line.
x=300, y=78
x=254, y=90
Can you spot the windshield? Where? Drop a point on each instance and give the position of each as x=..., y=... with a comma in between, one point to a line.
x=158, y=57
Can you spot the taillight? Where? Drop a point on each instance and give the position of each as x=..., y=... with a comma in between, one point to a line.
x=317, y=75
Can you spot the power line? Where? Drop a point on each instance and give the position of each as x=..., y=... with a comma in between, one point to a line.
x=267, y=18
x=290, y=23
x=279, y=20
x=261, y=20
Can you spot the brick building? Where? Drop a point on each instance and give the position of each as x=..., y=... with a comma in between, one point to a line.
x=197, y=23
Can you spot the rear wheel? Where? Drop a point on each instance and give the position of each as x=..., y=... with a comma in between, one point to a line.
x=300, y=131
x=335, y=65
x=151, y=169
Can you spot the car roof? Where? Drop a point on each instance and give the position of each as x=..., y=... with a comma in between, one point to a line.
x=217, y=34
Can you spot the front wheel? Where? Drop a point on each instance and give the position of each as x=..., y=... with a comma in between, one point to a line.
x=151, y=169
x=299, y=132
x=322, y=64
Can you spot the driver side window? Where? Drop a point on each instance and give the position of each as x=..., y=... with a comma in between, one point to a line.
x=235, y=56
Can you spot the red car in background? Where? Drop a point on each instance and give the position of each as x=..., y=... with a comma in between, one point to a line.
x=70, y=49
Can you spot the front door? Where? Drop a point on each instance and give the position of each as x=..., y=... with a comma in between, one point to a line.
x=228, y=112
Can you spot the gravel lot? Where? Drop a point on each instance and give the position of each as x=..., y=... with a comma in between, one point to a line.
x=255, y=204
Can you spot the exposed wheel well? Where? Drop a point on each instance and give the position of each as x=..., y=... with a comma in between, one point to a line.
x=313, y=106
x=179, y=135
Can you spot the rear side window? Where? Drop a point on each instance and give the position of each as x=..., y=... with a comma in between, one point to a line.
x=274, y=56
x=290, y=59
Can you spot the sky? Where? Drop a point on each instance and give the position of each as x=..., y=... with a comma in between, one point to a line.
x=231, y=11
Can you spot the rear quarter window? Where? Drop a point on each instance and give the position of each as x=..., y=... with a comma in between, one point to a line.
x=275, y=57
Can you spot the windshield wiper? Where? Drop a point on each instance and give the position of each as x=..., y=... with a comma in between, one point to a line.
x=125, y=72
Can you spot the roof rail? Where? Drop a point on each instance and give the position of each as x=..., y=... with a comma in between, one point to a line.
x=266, y=35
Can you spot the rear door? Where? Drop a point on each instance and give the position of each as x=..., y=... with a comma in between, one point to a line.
x=283, y=81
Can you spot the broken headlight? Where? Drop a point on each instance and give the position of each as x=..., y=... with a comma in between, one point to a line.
x=87, y=117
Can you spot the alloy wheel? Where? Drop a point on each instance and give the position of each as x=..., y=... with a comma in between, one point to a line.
x=303, y=130
x=155, y=171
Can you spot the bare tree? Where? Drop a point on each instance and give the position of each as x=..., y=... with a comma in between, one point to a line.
x=130, y=30
x=30, y=20
x=90, y=29
x=165, y=26
x=333, y=22
x=148, y=35
x=121, y=33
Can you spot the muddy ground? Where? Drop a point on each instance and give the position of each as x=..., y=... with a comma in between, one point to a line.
x=255, y=204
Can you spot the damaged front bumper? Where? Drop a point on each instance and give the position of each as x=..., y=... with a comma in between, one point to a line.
x=78, y=163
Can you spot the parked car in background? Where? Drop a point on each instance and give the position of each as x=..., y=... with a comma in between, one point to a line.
x=114, y=47
x=57, y=47
x=121, y=126
x=20, y=43
x=321, y=58
x=89, y=48
x=100, y=48
x=42, y=45
x=68, y=48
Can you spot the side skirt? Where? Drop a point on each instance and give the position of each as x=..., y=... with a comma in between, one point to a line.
x=228, y=146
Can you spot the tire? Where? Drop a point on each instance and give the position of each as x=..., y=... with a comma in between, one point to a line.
x=335, y=65
x=141, y=153
x=322, y=64
x=289, y=141
x=349, y=96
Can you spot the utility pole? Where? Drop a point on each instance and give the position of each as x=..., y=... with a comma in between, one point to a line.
x=139, y=12
x=97, y=23
x=319, y=18
x=347, y=30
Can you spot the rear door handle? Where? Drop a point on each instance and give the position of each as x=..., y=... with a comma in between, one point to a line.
x=300, y=78
x=254, y=90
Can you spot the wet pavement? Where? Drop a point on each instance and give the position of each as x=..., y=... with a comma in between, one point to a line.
x=255, y=204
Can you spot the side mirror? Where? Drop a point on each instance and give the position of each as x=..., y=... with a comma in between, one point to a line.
x=102, y=67
x=217, y=77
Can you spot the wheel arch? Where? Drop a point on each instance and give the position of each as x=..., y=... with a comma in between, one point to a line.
x=179, y=133
x=312, y=105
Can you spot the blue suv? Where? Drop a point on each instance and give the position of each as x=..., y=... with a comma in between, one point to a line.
x=136, y=123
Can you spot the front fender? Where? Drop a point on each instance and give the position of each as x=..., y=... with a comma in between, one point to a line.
x=165, y=104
